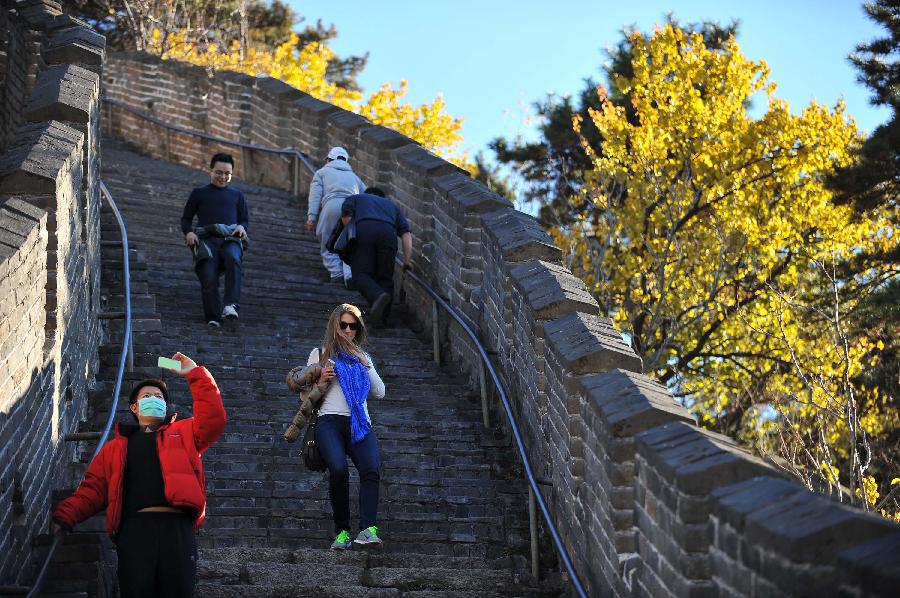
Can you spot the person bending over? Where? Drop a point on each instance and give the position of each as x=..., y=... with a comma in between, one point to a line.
x=379, y=222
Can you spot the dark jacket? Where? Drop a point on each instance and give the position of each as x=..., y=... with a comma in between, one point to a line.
x=365, y=206
x=201, y=250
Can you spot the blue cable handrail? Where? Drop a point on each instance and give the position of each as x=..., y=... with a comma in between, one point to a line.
x=520, y=445
x=126, y=341
x=123, y=358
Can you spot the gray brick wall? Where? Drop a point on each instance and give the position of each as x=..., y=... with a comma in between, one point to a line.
x=647, y=503
x=16, y=56
x=49, y=272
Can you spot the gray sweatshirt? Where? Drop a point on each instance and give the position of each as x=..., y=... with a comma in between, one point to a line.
x=335, y=180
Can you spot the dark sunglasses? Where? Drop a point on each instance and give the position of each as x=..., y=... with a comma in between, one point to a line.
x=350, y=325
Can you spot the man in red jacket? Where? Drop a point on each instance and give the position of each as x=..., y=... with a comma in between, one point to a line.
x=150, y=480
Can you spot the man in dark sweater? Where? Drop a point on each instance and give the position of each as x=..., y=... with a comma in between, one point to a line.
x=378, y=223
x=219, y=239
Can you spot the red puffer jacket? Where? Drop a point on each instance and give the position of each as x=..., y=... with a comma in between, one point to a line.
x=180, y=444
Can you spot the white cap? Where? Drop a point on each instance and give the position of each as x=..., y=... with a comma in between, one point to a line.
x=338, y=152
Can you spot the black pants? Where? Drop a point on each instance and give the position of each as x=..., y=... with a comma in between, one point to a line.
x=226, y=257
x=372, y=259
x=157, y=555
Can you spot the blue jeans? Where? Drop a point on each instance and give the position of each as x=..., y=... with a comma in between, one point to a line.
x=226, y=257
x=333, y=440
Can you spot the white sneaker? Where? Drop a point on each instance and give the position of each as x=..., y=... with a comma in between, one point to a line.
x=229, y=312
x=368, y=538
x=213, y=324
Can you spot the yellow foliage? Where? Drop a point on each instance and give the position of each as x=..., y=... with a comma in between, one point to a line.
x=710, y=237
x=888, y=515
x=871, y=488
x=305, y=69
x=830, y=473
x=428, y=124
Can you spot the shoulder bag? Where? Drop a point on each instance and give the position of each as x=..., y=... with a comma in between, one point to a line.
x=312, y=459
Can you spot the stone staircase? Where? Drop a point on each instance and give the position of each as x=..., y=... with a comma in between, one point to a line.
x=453, y=505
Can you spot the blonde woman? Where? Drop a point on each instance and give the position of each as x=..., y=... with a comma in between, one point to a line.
x=344, y=428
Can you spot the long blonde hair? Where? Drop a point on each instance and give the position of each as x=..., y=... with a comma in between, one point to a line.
x=334, y=342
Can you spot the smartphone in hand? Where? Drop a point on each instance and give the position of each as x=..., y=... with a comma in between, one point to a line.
x=169, y=364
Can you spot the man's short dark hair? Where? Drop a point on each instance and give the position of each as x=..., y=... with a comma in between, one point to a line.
x=375, y=191
x=148, y=382
x=226, y=158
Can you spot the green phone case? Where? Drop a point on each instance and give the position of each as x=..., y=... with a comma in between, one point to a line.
x=169, y=364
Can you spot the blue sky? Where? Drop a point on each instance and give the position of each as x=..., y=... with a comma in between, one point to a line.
x=492, y=59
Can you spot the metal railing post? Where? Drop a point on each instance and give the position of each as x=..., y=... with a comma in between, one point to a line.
x=295, y=175
x=482, y=383
x=109, y=125
x=533, y=529
x=131, y=352
x=436, y=332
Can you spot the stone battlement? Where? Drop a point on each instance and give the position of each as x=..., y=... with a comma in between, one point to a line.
x=50, y=70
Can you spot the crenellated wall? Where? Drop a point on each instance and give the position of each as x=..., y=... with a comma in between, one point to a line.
x=49, y=260
x=648, y=504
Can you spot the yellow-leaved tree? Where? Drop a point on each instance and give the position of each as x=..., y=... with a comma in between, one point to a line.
x=710, y=238
x=305, y=68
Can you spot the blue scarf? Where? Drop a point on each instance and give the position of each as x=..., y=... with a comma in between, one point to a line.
x=354, y=381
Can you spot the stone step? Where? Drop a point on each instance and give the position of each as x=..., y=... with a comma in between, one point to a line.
x=141, y=303
x=273, y=572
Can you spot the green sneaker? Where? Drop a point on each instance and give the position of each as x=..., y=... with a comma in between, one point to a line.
x=368, y=538
x=342, y=542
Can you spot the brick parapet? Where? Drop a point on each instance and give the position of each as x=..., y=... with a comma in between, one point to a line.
x=632, y=480
x=773, y=536
x=49, y=267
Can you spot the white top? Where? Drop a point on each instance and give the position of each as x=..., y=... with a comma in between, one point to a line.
x=335, y=402
x=336, y=180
